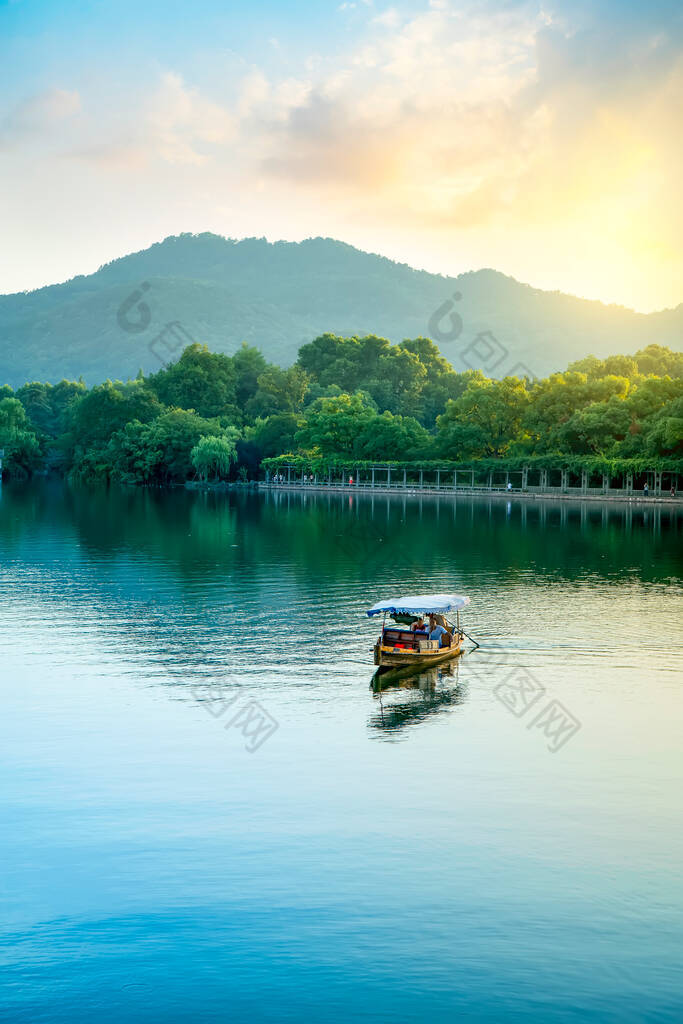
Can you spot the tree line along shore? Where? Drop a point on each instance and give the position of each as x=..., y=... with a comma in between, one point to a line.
x=345, y=403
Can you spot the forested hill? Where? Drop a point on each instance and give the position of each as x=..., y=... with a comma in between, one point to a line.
x=278, y=296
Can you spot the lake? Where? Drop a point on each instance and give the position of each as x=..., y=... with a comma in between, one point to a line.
x=208, y=815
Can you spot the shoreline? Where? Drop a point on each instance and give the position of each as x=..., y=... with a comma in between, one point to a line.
x=482, y=492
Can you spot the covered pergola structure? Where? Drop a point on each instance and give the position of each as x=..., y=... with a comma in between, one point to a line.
x=470, y=478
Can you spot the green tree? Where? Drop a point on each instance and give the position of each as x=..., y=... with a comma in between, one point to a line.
x=665, y=433
x=399, y=381
x=651, y=394
x=334, y=424
x=493, y=410
x=589, y=366
x=461, y=441
x=22, y=448
x=158, y=452
x=659, y=360
x=612, y=366
x=249, y=364
x=212, y=457
x=275, y=434
x=279, y=391
x=172, y=438
x=47, y=406
x=557, y=400
x=620, y=366
x=553, y=402
x=389, y=437
x=440, y=383
x=200, y=380
x=329, y=359
x=130, y=456
x=107, y=408
x=597, y=428
x=412, y=378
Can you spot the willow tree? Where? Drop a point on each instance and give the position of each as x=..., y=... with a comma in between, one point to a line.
x=212, y=457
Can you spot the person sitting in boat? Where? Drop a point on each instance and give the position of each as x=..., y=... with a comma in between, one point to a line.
x=436, y=630
x=419, y=624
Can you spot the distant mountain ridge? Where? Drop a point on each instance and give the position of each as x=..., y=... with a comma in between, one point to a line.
x=277, y=296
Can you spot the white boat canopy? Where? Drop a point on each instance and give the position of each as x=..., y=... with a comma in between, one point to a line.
x=421, y=605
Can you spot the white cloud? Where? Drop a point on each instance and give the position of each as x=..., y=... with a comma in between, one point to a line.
x=181, y=120
x=389, y=18
x=38, y=115
x=254, y=91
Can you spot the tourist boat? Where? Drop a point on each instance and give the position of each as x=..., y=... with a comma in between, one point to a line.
x=402, y=649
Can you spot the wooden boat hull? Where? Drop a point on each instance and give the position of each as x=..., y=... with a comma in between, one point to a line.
x=388, y=659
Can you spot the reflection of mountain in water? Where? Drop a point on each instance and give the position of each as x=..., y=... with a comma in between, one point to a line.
x=411, y=701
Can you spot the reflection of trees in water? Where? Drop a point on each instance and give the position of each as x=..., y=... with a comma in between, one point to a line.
x=141, y=547
x=431, y=692
x=355, y=536
x=341, y=537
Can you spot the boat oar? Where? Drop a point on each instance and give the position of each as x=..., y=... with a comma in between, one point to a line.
x=470, y=638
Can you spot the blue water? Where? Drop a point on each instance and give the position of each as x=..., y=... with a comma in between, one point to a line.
x=416, y=856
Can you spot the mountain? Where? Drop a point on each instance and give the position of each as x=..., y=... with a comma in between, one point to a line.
x=277, y=296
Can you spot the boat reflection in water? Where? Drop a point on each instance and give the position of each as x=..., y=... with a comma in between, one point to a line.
x=408, y=701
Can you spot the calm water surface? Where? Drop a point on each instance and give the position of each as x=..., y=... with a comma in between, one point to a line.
x=425, y=855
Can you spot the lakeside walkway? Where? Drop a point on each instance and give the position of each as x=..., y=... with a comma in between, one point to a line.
x=530, y=482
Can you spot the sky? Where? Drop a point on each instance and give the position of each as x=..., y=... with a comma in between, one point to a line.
x=544, y=140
